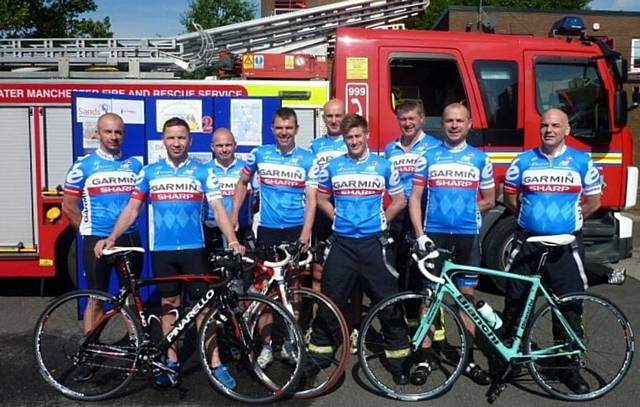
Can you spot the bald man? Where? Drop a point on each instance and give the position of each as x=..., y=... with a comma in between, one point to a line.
x=453, y=208
x=227, y=169
x=103, y=181
x=551, y=188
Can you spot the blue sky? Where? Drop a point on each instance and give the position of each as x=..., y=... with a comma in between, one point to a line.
x=153, y=18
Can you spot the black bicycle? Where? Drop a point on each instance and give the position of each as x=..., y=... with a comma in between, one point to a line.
x=119, y=344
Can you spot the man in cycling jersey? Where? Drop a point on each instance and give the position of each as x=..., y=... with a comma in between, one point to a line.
x=288, y=183
x=227, y=169
x=177, y=188
x=551, y=188
x=103, y=182
x=357, y=182
x=459, y=180
x=404, y=152
x=325, y=148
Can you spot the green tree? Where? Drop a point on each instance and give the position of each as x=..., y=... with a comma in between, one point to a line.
x=215, y=13
x=50, y=19
x=437, y=7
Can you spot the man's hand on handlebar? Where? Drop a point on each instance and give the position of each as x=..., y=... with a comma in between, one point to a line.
x=425, y=244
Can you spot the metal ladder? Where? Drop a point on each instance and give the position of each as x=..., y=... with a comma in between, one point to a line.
x=312, y=30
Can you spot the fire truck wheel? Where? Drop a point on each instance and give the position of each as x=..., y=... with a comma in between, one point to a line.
x=497, y=247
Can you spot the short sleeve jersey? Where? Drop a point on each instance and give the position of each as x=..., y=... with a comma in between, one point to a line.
x=405, y=161
x=227, y=180
x=283, y=178
x=358, y=189
x=551, y=189
x=326, y=148
x=453, y=178
x=104, y=183
x=177, y=198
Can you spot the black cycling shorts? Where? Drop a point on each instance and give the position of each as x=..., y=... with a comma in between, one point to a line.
x=175, y=262
x=466, y=252
x=269, y=237
x=98, y=271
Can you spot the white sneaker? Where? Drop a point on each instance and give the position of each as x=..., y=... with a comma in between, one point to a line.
x=354, y=341
x=265, y=357
x=617, y=276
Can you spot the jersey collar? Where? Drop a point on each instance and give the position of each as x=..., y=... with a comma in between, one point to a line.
x=412, y=145
x=108, y=156
x=457, y=148
x=361, y=160
x=553, y=157
x=182, y=164
x=217, y=164
x=293, y=150
x=334, y=138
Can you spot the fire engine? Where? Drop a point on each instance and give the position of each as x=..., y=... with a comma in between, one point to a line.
x=507, y=81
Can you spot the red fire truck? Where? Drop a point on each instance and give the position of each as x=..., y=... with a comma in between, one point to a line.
x=507, y=81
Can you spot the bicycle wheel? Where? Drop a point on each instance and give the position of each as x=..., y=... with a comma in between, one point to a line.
x=239, y=338
x=307, y=304
x=447, y=355
x=607, y=334
x=83, y=366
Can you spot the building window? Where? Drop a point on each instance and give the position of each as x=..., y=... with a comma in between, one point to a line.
x=635, y=56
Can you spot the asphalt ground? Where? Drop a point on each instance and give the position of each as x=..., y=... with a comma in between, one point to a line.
x=21, y=384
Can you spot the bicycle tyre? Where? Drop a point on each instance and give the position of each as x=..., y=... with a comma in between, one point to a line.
x=449, y=355
x=310, y=301
x=610, y=347
x=61, y=347
x=239, y=344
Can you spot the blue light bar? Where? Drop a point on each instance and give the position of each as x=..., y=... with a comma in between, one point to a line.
x=569, y=24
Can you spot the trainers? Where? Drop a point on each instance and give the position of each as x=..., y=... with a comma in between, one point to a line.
x=479, y=376
x=420, y=374
x=617, y=276
x=575, y=382
x=399, y=369
x=288, y=353
x=265, y=357
x=354, y=341
x=224, y=376
x=83, y=373
x=165, y=378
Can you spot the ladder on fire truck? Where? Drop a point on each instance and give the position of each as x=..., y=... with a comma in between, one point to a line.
x=159, y=58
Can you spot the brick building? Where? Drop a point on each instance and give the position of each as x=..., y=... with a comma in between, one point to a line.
x=621, y=28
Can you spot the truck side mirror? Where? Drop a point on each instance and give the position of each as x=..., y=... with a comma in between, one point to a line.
x=621, y=107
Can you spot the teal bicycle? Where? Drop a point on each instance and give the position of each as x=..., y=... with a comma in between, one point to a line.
x=544, y=340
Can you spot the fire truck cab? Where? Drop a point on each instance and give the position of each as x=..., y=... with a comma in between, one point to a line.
x=507, y=81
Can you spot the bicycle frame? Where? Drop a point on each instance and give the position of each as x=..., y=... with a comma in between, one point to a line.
x=130, y=286
x=277, y=279
x=508, y=353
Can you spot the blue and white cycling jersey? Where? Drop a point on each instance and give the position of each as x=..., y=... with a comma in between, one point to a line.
x=551, y=189
x=453, y=178
x=228, y=179
x=405, y=161
x=326, y=148
x=283, y=178
x=176, y=202
x=358, y=189
x=104, y=183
